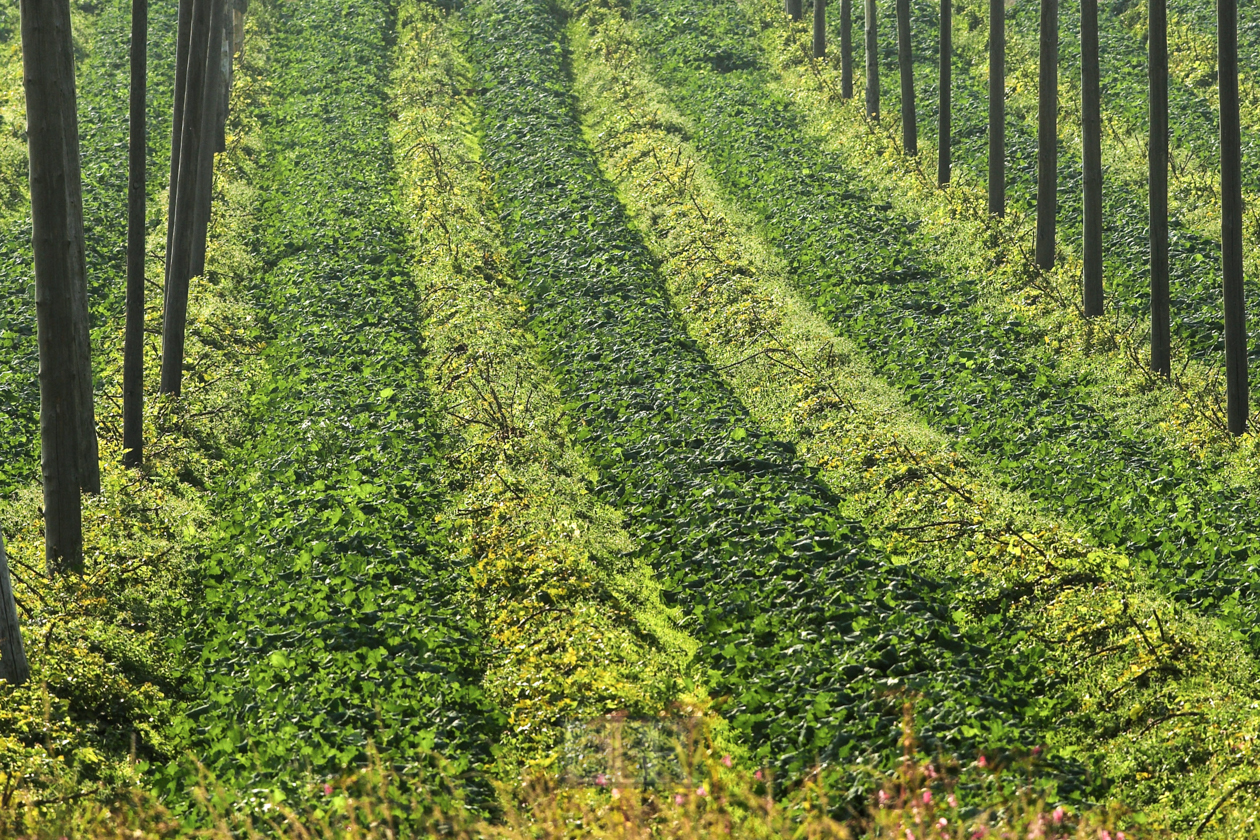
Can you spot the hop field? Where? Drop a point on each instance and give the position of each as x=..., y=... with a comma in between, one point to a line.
x=594, y=423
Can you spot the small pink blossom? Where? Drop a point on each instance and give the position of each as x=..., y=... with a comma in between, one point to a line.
x=1037, y=750
x=700, y=791
x=942, y=822
x=1105, y=835
x=883, y=798
x=1120, y=835
x=327, y=789
x=678, y=799
x=952, y=800
x=1058, y=815
x=930, y=771
x=758, y=775
x=927, y=797
x=601, y=780
x=982, y=761
x=616, y=794
x=726, y=760
x=982, y=831
x=909, y=834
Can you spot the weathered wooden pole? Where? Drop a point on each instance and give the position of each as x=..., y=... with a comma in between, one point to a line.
x=997, y=107
x=944, y=131
x=133, y=341
x=846, y=49
x=820, y=28
x=872, y=61
x=60, y=278
x=1048, y=134
x=905, y=64
x=1236, y=390
x=180, y=259
x=1091, y=159
x=1157, y=70
x=182, y=45
x=795, y=8
x=13, y=667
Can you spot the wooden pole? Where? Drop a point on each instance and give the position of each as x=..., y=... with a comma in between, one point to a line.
x=1161, y=331
x=1091, y=158
x=795, y=8
x=212, y=120
x=1236, y=390
x=997, y=107
x=133, y=342
x=52, y=119
x=820, y=28
x=905, y=63
x=183, y=222
x=944, y=131
x=13, y=667
x=846, y=49
x=1048, y=134
x=872, y=61
x=183, y=39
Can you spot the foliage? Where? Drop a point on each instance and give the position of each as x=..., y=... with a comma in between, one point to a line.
x=333, y=614
x=978, y=371
x=575, y=631
x=1155, y=733
x=808, y=633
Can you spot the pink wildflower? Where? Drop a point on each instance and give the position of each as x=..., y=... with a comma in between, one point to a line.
x=1120, y=835
x=982, y=761
x=942, y=822
x=952, y=800
x=700, y=791
x=1105, y=835
x=616, y=794
x=1037, y=750
x=1058, y=815
x=601, y=780
x=678, y=799
x=758, y=775
x=883, y=799
x=726, y=760
x=327, y=789
x=909, y=834
x=927, y=797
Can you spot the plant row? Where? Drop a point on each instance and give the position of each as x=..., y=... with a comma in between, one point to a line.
x=985, y=376
x=334, y=617
x=811, y=637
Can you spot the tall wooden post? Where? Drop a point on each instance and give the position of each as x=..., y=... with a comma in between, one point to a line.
x=133, y=342
x=846, y=49
x=905, y=63
x=1091, y=159
x=13, y=667
x=997, y=107
x=1237, y=397
x=180, y=259
x=1048, y=134
x=183, y=40
x=944, y=130
x=820, y=28
x=60, y=278
x=1161, y=331
x=872, y=61
x=795, y=8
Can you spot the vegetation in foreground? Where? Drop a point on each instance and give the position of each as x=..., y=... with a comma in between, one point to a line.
x=550, y=513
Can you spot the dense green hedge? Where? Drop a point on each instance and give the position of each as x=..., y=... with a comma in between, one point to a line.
x=812, y=637
x=986, y=378
x=333, y=615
